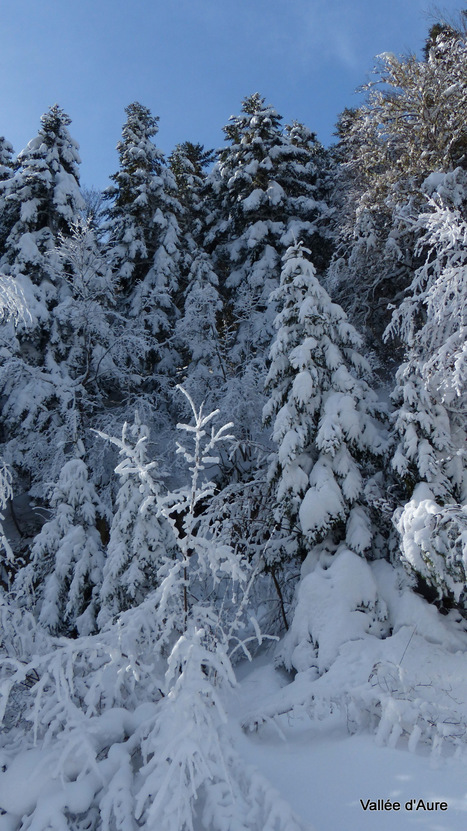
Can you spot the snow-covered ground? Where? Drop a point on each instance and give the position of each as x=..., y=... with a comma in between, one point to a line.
x=324, y=772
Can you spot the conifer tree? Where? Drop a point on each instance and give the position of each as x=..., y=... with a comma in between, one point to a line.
x=264, y=193
x=43, y=202
x=6, y=171
x=43, y=199
x=88, y=332
x=143, y=223
x=88, y=361
x=324, y=416
x=188, y=163
x=265, y=188
x=204, y=371
x=134, y=196
x=12, y=309
x=63, y=578
x=6, y=159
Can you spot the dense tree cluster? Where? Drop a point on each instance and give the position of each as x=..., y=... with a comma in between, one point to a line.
x=313, y=299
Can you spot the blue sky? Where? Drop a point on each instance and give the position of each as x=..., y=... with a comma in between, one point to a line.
x=191, y=62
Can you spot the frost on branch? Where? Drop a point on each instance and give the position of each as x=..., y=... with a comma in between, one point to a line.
x=433, y=540
x=6, y=493
x=12, y=307
x=431, y=395
x=12, y=302
x=141, y=541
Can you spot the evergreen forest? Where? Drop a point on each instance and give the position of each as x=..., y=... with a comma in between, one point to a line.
x=233, y=427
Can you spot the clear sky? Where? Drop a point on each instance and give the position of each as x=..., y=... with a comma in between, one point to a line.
x=191, y=62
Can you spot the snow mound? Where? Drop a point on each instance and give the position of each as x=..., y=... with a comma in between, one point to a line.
x=404, y=685
x=348, y=587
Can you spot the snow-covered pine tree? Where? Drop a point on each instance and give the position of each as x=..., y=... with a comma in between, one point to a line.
x=89, y=332
x=44, y=201
x=140, y=541
x=6, y=159
x=63, y=578
x=6, y=171
x=203, y=372
x=143, y=224
x=325, y=417
x=263, y=191
x=325, y=473
x=11, y=308
x=92, y=351
x=306, y=178
x=188, y=163
x=88, y=361
x=133, y=198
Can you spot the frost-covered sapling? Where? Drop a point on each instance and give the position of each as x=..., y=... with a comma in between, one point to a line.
x=141, y=541
x=189, y=766
x=189, y=557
